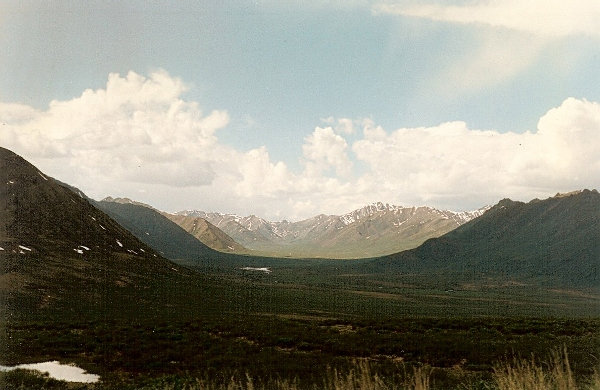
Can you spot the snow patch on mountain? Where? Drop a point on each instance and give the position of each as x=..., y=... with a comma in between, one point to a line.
x=382, y=218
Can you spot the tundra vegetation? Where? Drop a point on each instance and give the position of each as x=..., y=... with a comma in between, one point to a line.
x=495, y=304
x=243, y=331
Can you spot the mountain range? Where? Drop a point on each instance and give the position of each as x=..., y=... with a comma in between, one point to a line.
x=555, y=241
x=156, y=230
x=206, y=232
x=374, y=230
x=53, y=239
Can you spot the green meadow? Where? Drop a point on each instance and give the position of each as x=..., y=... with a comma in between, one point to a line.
x=306, y=324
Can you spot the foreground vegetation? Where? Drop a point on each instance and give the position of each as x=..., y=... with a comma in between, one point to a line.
x=518, y=374
x=280, y=352
x=301, y=326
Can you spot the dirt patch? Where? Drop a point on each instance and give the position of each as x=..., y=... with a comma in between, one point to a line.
x=342, y=328
x=574, y=293
x=382, y=295
x=304, y=317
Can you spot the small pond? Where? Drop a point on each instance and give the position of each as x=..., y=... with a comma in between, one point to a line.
x=63, y=372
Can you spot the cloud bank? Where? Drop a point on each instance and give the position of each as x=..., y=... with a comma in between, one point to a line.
x=138, y=137
x=550, y=18
x=451, y=161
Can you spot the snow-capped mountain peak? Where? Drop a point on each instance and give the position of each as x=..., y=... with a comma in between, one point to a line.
x=332, y=235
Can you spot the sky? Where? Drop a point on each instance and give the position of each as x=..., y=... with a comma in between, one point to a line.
x=287, y=109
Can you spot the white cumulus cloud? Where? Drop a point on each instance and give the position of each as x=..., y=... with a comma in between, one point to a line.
x=135, y=129
x=138, y=137
x=452, y=164
x=324, y=149
x=260, y=176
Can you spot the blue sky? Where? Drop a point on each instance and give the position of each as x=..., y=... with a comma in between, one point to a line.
x=272, y=86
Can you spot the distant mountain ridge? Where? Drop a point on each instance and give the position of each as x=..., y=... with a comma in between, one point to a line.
x=156, y=230
x=201, y=229
x=373, y=230
x=126, y=201
x=207, y=233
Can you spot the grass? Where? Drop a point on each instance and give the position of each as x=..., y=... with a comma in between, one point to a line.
x=529, y=374
x=26, y=379
x=516, y=374
x=274, y=352
x=298, y=327
x=519, y=374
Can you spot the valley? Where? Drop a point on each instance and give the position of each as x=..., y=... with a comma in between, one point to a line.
x=374, y=230
x=125, y=293
x=300, y=195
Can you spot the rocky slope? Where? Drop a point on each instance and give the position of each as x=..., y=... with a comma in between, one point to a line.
x=208, y=233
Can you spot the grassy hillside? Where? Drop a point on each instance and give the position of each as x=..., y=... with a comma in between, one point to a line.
x=57, y=247
x=157, y=231
x=544, y=242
